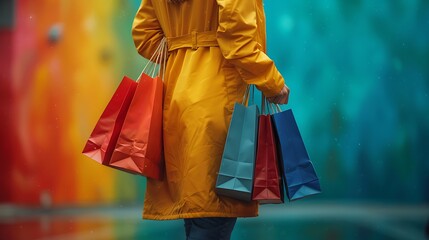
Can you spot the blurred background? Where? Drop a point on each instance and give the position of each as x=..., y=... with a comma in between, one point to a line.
x=359, y=77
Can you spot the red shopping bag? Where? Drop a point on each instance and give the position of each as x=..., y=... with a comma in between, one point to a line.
x=103, y=138
x=267, y=186
x=128, y=135
x=139, y=146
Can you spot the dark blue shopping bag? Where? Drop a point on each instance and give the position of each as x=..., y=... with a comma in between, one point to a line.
x=299, y=175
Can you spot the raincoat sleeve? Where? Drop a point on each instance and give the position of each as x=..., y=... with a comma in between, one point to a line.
x=235, y=34
x=146, y=31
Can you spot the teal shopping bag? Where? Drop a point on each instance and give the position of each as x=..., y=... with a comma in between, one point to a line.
x=235, y=176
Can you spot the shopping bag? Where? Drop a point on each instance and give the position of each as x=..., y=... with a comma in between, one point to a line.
x=298, y=172
x=235, y=176
x=268, y=185
x=128, y=134
x=103, y=138
x=139, y=146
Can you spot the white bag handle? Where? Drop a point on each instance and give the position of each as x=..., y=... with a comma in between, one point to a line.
x=158, y=59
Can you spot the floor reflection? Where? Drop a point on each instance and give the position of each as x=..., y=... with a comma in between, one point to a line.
x=289, y=221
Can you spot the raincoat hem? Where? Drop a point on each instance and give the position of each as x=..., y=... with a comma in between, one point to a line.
x=197, y=215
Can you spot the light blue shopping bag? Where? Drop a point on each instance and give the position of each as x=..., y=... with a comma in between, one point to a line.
x=236, y=173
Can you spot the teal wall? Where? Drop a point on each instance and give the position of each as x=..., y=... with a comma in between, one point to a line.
x=359, y=77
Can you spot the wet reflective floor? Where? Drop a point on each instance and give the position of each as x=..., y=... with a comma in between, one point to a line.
x=286, y=221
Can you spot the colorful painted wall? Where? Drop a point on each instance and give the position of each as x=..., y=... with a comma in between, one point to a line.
x=358, y=71
x=63, y=60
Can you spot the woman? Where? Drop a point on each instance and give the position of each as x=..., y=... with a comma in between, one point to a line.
x=216, y=48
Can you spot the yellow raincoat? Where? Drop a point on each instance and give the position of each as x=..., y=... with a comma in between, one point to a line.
x=216, y=48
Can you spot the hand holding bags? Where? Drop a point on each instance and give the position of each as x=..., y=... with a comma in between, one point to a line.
x=235, y=177
x=280, y=154
x=128, y=135
x=298, y=171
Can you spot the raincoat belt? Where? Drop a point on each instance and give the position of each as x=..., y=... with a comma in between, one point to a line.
x=193, y=40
